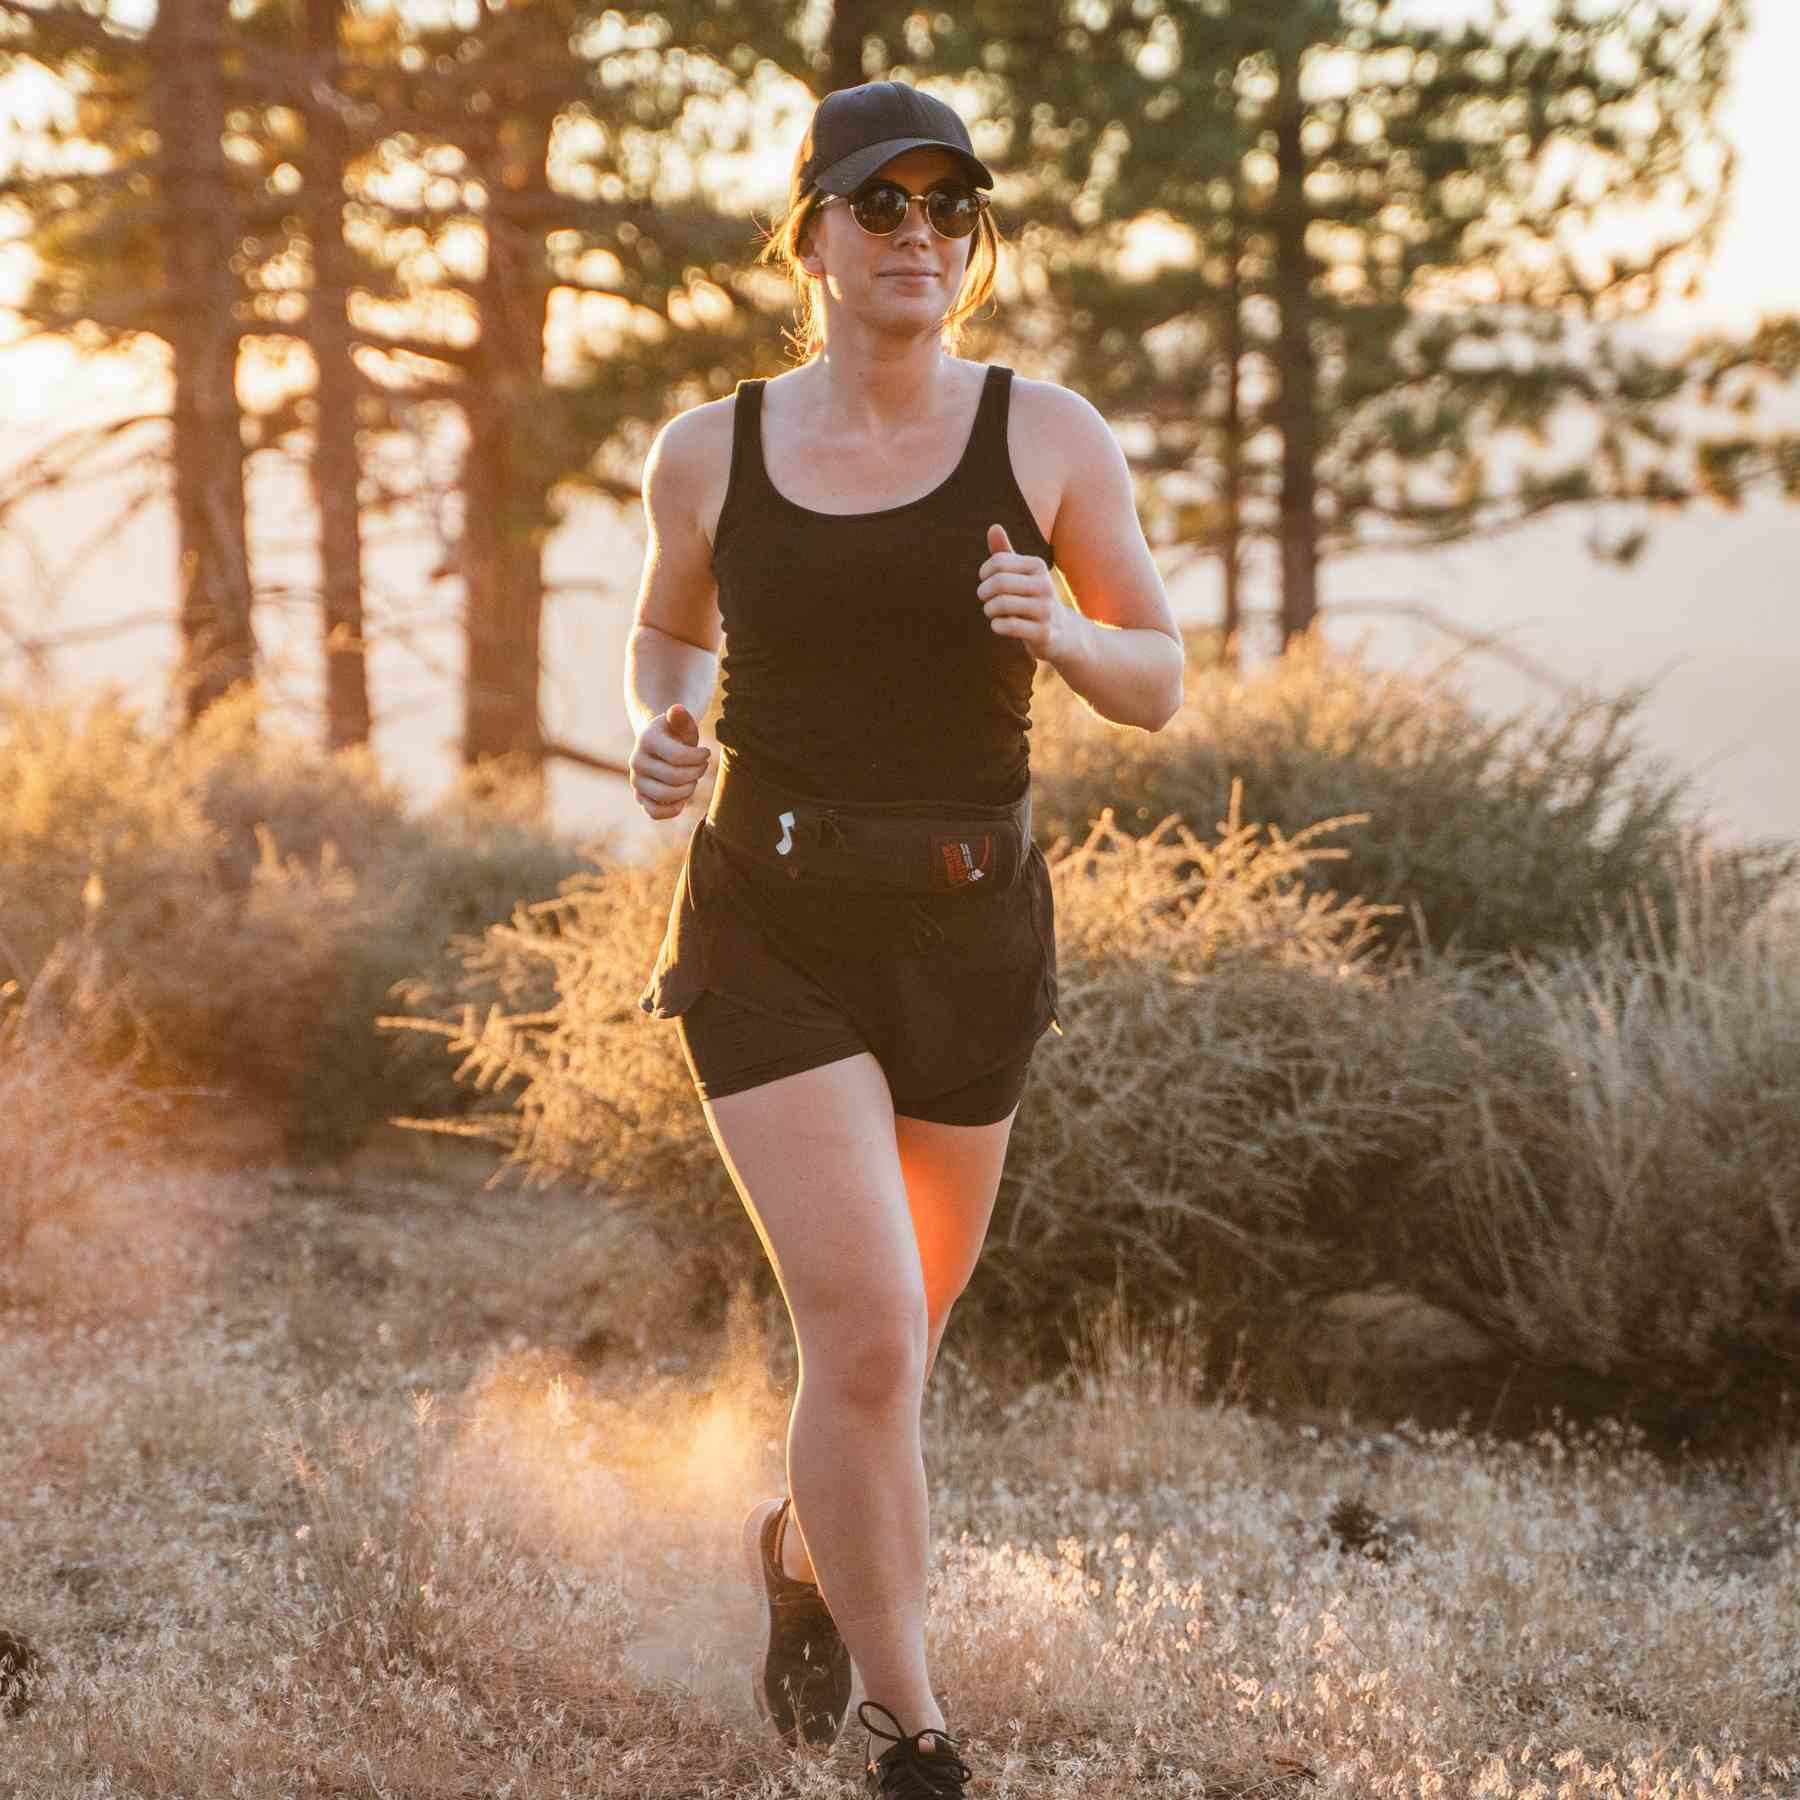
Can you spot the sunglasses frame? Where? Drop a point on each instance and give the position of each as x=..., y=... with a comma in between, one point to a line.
x=980, y=199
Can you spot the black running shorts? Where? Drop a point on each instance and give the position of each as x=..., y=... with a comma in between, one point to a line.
x=730, y=1047
x=757, y=995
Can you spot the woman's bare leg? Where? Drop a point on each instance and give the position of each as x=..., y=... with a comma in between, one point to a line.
x=952, y=1176
x=816, y=1161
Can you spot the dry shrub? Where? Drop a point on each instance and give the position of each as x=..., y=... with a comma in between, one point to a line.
x=1254, y=1105
x=594, y=1090
x=74, y=1111
x=1207, y=1000
x=1620, y=1175
x=1223, y=1058
x=261, y=896
x=1493, y=835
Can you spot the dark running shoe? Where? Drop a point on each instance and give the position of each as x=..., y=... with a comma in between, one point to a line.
x=802, y=1685
x=905, y=1772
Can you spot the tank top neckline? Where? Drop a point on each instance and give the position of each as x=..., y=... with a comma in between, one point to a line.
x=752, y=433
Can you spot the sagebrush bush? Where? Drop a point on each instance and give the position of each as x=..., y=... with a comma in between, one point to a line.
x=261, y=896
x=581, y=1083
x=1514, y=834
x=1226, y=1054
x=1620, y=1178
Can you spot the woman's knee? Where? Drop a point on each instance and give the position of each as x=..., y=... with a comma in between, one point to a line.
x=867, y=1350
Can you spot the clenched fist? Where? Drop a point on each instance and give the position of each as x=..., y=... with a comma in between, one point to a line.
x=1018, y=595
x=667, y=762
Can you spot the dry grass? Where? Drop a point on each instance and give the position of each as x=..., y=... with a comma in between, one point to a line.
x=1623, y=1183
x=342, y=1512
x=261, y=896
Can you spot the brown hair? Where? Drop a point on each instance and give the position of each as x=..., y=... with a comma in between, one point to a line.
x=781, y=247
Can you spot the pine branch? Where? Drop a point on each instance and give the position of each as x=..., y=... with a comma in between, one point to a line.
x=583, y=759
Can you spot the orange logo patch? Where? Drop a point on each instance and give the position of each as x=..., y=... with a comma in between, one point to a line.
x=965, y=859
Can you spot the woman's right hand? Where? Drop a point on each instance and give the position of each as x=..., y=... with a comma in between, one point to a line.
x=667, y=762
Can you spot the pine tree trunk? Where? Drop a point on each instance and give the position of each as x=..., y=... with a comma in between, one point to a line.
x=1231, y=547
x=218, y=642
x=503, y=531
x=852, y=22
x=1295, y=409
x=336, y=470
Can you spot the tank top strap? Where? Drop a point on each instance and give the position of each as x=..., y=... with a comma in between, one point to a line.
x=987, y=443
x=746, y=435
x=747, y=490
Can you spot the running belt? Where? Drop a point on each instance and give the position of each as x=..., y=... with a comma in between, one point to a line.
x=886, y=847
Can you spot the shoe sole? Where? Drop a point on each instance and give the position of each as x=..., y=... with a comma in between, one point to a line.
x=794, y=1733
x=753, y=1572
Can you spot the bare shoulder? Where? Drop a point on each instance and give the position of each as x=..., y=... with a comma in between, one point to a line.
x=1056, y=436
x=1058, y=409
x=1096, y=534
x=686, y=445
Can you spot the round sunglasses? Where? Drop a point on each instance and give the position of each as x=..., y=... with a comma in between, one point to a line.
x=880, y=207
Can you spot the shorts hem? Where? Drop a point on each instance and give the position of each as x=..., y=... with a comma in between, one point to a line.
x=795, y=1063
x=1005, y=1079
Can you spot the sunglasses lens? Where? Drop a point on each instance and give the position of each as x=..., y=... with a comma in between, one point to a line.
x=879, y=207
x=953, y=211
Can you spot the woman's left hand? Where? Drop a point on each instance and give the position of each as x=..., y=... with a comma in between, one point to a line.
x=1019, y=598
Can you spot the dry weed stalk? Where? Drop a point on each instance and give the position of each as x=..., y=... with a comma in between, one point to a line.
x=73, y=1104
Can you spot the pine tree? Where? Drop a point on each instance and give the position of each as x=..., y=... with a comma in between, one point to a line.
x=1399, y=247
x=147, y=244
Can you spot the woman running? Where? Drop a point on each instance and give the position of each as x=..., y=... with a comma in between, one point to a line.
x=860, y=953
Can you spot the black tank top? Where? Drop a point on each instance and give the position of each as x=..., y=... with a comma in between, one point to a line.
x=858, y=663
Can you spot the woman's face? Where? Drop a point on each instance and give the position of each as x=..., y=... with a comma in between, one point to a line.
x=912, y=276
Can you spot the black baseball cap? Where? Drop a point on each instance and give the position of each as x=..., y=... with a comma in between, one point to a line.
x=855, y=130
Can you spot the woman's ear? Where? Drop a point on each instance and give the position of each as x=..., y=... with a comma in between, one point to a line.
x=806, y=249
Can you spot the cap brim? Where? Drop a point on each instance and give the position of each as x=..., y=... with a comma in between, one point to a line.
x=849, y=173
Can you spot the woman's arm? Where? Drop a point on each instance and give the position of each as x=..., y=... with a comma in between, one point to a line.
x=671, y=656
x=1121, y=650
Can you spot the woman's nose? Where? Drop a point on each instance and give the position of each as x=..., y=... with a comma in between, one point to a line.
x=914, y=226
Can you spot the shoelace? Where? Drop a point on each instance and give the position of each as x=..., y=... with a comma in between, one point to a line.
x=917, y=1775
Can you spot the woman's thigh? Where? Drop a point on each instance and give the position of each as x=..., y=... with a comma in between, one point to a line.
x=816, y=1161
x=872, y=1223
x=952, y=1175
